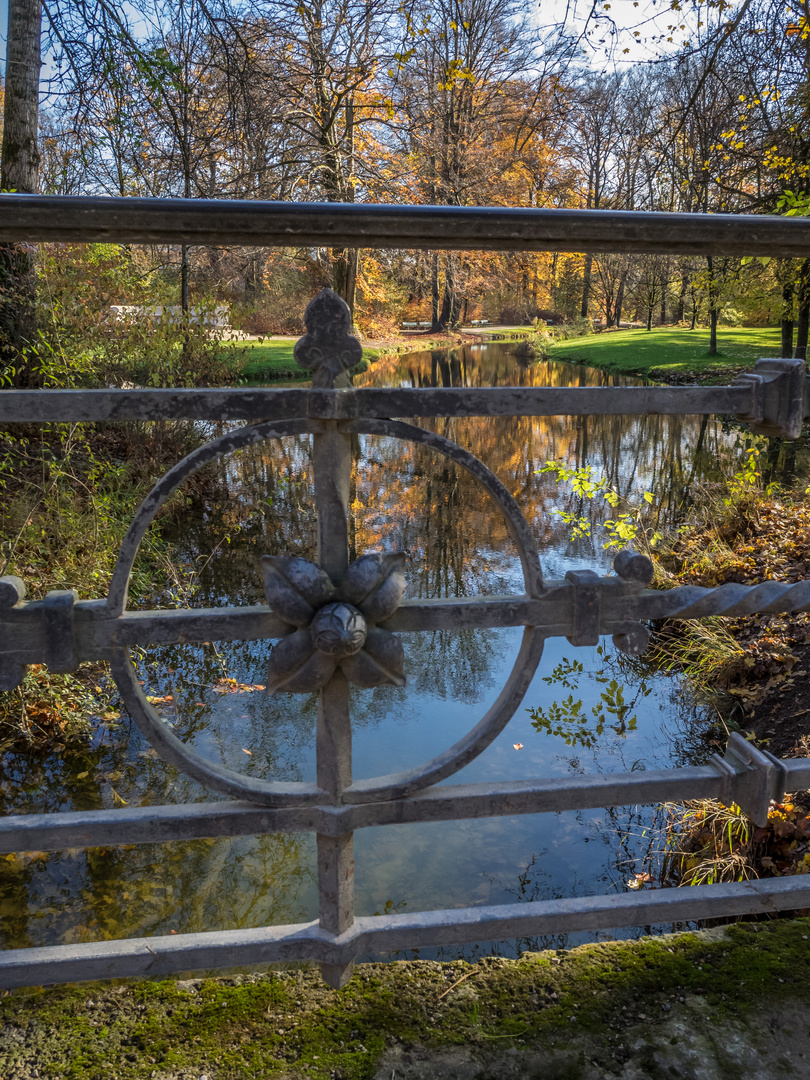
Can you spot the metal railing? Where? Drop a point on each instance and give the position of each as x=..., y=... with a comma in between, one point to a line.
x=338, y=623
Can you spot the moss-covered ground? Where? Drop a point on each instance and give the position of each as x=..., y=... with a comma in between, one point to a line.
x=672, y=355
x=589, y=1012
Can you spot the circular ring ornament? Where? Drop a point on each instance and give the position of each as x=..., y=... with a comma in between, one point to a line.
x=285, y=793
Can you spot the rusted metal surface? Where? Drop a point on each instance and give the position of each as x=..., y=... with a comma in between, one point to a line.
x=335, y=623
x=48, y=218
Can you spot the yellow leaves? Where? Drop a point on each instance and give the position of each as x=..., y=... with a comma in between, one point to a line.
x=639, y=880
x=231, y=686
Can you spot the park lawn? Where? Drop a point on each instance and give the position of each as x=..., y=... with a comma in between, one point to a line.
x=671, y=354
x=271, y=360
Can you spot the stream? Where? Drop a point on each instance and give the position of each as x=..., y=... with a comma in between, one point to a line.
x=403, y=497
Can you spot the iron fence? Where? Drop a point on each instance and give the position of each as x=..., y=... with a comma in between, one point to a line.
x=337, y=622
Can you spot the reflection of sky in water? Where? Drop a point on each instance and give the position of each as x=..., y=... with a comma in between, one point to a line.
x=402, y=497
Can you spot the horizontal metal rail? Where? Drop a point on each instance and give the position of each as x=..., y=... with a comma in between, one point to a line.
x=452, y=802
x=49, y=218
x=386, y=933
x=94, y=631
x=266, y=404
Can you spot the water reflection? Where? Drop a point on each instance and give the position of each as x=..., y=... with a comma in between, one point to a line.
x=403, y=496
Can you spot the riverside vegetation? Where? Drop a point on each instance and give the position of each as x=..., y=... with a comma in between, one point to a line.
x=750, y=671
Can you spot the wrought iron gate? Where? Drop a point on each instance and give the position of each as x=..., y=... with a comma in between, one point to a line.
x=338, y=623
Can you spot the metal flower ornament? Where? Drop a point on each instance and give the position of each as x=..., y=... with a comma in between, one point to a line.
x=336, y=624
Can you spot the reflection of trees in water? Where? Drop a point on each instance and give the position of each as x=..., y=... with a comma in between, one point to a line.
x=406, y=496
x=631, y=840
x=102, y=893
x=452, y=665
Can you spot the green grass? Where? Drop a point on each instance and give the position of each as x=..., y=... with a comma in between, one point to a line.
x=671, y=355
x=270, y=360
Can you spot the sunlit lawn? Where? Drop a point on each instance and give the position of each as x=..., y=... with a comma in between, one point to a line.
x=662, y=353
x=269, y=360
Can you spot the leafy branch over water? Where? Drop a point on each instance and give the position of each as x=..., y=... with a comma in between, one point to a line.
x=570, y=720
x=624, y=529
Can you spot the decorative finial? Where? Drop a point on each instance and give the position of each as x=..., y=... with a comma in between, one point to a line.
x=328, y=349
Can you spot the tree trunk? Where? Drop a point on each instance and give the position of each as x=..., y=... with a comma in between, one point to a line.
x=344, y=274
x=620, y=299
x=449, y=313
x=663, y=299
x=713, y=331
x=586, y=286
x=787, y=319
x=184, y=281
x=434, y=293
x=682, y=298
x=19, y=172
x=804, y=311
x=712, y=293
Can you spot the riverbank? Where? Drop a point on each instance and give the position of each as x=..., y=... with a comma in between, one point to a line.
x=763, y=682
x=672, y=355
x=726, y=1002
x=272, y=359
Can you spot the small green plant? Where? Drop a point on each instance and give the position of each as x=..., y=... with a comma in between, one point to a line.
x=626, y=528
x=709, y=843
x=748, y=479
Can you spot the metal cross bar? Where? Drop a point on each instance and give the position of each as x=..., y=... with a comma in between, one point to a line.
x=264, y=404
x=725, y=779
x=774, y=399
x=95, y=633
x=337, y=623
x=49, y=218
x=156, y=956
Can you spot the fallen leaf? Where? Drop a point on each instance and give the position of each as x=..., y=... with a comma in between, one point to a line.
x=244, y=751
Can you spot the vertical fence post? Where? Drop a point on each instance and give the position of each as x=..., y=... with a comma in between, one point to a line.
x=332, y=466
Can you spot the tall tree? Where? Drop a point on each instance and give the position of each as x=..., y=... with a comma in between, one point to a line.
x=318, y=61
x=19, y=172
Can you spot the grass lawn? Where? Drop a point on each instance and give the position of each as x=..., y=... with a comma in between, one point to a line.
x=270, y=360
x=671, y=355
